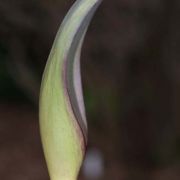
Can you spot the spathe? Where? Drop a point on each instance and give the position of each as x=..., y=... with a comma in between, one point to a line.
x=62, y=116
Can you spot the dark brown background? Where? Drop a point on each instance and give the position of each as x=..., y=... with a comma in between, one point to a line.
x=131, y=78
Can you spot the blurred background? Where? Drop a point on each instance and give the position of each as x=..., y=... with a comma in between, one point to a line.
x=131, y=79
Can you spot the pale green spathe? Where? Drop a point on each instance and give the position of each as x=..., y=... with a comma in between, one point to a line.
x=60, y=114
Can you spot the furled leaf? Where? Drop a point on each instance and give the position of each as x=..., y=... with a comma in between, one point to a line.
x=62, y=116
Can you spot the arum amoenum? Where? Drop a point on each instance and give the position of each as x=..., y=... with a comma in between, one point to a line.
x=62, y=116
